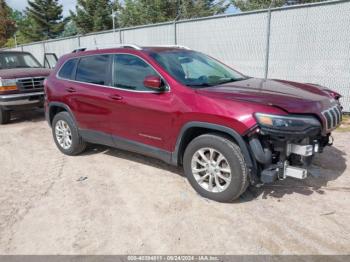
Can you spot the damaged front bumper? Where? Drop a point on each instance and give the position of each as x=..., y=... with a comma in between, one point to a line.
x=279, y=157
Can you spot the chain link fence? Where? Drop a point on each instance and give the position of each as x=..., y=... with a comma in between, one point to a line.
x=306, y=43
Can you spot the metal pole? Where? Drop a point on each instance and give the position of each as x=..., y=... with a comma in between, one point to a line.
x=267, y=50
x=178, y=15
x=15, y=40
x=113, y=19
x=78, y=38
x=175, y=27
x=175, y=33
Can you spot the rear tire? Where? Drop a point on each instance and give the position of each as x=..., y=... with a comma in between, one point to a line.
x=5, y=116
x=215, y=167
x=66, y=135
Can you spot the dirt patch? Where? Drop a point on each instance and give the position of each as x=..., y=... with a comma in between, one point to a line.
x=345, y=125
x=109, y=201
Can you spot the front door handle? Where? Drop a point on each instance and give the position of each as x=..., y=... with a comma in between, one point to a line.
x=71, y=90
x=116, y=97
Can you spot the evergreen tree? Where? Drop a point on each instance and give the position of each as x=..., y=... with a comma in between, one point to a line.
x=18, y=18
x=249, y=5
x=7, y=24
x=70, y=28
x=137, y=12
x=94, y=15
x=45, y=18
x=201, y=8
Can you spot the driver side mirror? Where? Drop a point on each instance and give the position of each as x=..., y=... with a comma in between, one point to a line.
x=153, y=82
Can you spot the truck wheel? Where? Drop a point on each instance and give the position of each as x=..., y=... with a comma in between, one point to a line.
x=5, y=116
x=66, y=135
x=215, y=167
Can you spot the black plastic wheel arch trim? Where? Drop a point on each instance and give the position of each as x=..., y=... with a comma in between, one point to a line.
x=229, y=131
x=58, y=104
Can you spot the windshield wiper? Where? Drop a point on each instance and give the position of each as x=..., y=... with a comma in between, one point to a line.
x=230, y=80
x=199, y=85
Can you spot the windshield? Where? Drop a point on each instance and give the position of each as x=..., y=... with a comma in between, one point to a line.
x=195, y=69
x=17, y=60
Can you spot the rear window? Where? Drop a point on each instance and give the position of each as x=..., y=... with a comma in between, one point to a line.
x=93, y=69
x=68, y=69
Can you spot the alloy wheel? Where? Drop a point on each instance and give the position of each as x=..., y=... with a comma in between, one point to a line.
x=63, y=134
x=211, y=170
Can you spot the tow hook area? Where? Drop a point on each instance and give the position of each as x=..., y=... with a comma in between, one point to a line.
x=283, y=169
x=295, y=172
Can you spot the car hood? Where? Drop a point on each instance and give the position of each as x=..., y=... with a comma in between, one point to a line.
x=290, y=96
x=23, y=72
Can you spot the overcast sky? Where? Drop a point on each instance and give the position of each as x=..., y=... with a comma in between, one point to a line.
x=21, y=5
x=67, y=5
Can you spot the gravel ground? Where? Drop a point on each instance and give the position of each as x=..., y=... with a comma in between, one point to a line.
x=109, y=201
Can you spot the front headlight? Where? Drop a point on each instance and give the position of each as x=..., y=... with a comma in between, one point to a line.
x=286, y=123
x=8, y=85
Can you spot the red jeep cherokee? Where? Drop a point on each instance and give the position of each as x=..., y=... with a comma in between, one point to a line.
x=227, y=130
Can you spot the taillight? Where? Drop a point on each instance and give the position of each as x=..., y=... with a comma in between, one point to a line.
x=8, y=85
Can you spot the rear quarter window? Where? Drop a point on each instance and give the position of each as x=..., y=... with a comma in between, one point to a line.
x=68, y=69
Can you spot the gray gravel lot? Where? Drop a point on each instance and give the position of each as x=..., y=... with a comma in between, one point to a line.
x=109, y=201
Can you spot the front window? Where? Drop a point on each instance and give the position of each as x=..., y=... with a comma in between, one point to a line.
x=196, y=69
x=130, y=71
x=18, y=60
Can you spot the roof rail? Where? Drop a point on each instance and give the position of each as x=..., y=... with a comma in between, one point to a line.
x=133, y=46
x=174, y=46
x=82, y=49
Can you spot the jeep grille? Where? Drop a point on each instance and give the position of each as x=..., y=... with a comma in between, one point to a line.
x=333, y=117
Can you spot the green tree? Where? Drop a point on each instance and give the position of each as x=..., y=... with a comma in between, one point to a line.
x=137, y=12
x=201, y=8
x=45, y=18
x=94, y=15
x=299, y=2
x=249, y=5
x=7, y=23
x=22, y=24
x=70, y=28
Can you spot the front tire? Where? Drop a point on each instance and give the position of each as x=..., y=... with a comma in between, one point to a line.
x=66, y=135
x=5, y=116
x=215, y=167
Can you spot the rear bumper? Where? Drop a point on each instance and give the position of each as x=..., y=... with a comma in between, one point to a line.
x=15, y=100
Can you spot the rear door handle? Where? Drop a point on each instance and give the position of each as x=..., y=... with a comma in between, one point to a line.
x=71, y=90
x=116, y=97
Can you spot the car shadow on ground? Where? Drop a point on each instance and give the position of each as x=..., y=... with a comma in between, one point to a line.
x=134, y=157
x=36, y=115
x=327, y=167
